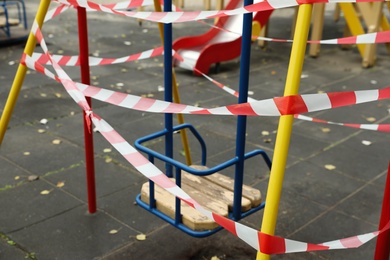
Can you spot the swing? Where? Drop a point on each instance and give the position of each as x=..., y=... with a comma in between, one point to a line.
x=217, y=192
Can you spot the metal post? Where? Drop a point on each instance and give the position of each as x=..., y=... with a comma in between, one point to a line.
x=88, y=134
x=275, y=183
x=168, y=88
x=21, y=72
x=382, y=250
x=241, y=120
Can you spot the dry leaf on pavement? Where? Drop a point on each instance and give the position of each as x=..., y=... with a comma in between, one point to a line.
x=141, y=237
x=330, y=167
x=45, y=192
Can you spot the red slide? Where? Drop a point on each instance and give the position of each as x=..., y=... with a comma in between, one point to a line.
x=199, y=52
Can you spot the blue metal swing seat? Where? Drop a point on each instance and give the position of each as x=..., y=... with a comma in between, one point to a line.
x=177, y=213
x=215, y=191
x=7, y=22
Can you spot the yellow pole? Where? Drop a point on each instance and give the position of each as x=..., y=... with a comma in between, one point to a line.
x=175, y=92
x=353, y=23
x=285, y=124
x=21, y=72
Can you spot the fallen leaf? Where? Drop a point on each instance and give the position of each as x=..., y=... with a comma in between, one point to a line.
x=33, y=178
x=267, y=140
x=60, y=184
x=371, y=119
x=325, y=130
x=273, y=72
x=58, y=95
x=41, y=131
x=11, y=243
x=150, y=95
x=119, y=84
x=215, y=258
x=365, y=142
x=113, y=231
x=264, y=133
x=128, y=43
x=43, y=121
x=108, y=160
x=17, y=178
x=107, y=150
x=56, y=141
x=141, y=237
x=373, y=82
x=43, y=95
x=26, y=153
x=330, y=167
x=45, y=192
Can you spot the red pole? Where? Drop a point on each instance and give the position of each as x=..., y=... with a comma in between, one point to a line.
x=88, y=135
x=382, y=250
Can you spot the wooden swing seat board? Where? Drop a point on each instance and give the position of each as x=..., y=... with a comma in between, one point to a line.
x=214, y=192
x=11, y=21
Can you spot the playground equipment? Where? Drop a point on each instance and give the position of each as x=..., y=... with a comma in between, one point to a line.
x=360, y=18
x=216, y=45
x=7, y=22
x=283, y=138
x=164, y=204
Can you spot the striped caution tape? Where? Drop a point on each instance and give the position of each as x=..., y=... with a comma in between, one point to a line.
x=43, y=58
x=287, y=105
x=125, y=5
x=55, y=12
x=260, y=241
x=95, y=61
x=90, y=90
x=367, y=38
x=379, y=37
x=374, y=127
x=178, y=17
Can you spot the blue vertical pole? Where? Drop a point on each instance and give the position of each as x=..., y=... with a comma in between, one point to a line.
x=168, y=87
x=241, y=120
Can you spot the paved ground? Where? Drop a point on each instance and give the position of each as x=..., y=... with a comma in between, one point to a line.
x=317, y=204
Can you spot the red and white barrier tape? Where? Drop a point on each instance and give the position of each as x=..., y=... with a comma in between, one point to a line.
x=35, y=63
x=261, y=242
x=374, y=127
x=94, y=61
x=56, y=11
x=177, y=17
x=289, y=105
x=367, y=38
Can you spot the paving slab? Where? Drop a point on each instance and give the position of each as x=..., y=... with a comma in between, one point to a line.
x=317, y=204
x=26, y=206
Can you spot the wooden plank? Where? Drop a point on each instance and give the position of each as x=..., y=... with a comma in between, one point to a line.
x=165, y=202
x=11, y=21
x=252, y=194
x=210, y=189
x=318, y=25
